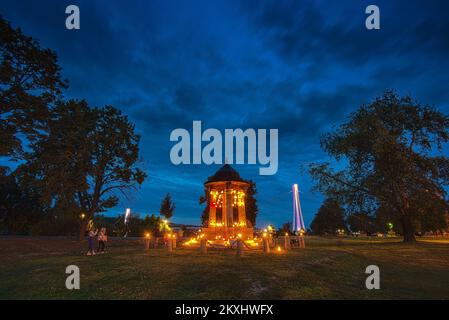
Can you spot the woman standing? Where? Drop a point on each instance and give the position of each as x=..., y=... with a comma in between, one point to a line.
x=102, y=239
x=90, y=242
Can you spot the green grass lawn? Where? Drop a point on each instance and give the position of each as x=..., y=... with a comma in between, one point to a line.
x=34, y=268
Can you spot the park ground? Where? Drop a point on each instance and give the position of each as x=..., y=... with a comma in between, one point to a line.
x=329, y=268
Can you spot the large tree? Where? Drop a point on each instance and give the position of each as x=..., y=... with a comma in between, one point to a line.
x=30, y=80
x=391, y=154
x=329, y=218
x=86, y=159
x=77, y=159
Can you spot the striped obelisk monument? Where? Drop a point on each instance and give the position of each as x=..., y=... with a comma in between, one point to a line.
x=298, y=221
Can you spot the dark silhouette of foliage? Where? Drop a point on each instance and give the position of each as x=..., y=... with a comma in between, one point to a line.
x=86, y=159
x=30, y=81
x=19, y=206
x=362, y=222
x=78, y=159
x=392, y=149
x=329, y=218
x=152, y=224
x=251, y=208
x=286, y=228
x=167, y=207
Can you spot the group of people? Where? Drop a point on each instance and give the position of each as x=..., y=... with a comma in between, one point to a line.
x=102, y=240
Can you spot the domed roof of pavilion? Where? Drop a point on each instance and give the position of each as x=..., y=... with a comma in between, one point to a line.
x=225, y=173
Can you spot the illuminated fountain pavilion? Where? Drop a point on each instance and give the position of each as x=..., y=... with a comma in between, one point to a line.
x=226, y=200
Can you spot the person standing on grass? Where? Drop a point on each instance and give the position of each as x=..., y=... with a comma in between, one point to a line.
x=102, y=239
x=90, y=242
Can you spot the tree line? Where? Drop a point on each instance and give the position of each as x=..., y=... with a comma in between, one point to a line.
x=137, y=224
x=62, y=156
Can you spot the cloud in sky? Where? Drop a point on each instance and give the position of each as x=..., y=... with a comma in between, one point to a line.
x=299, y=66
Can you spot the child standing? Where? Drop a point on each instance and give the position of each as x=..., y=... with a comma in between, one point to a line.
x=90, y=242
x=102, y=239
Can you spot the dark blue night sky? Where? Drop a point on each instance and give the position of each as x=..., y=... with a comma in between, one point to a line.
x=299, y=66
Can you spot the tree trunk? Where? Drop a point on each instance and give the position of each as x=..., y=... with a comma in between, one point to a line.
x=83, y=226
x=408, y=229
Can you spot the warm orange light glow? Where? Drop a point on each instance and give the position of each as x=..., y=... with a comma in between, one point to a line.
x=238, y=198
x=264, y=234
x=239, y=235
x=191, y=241
x=147, y=235
x=82, y=216
x=252, y=243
